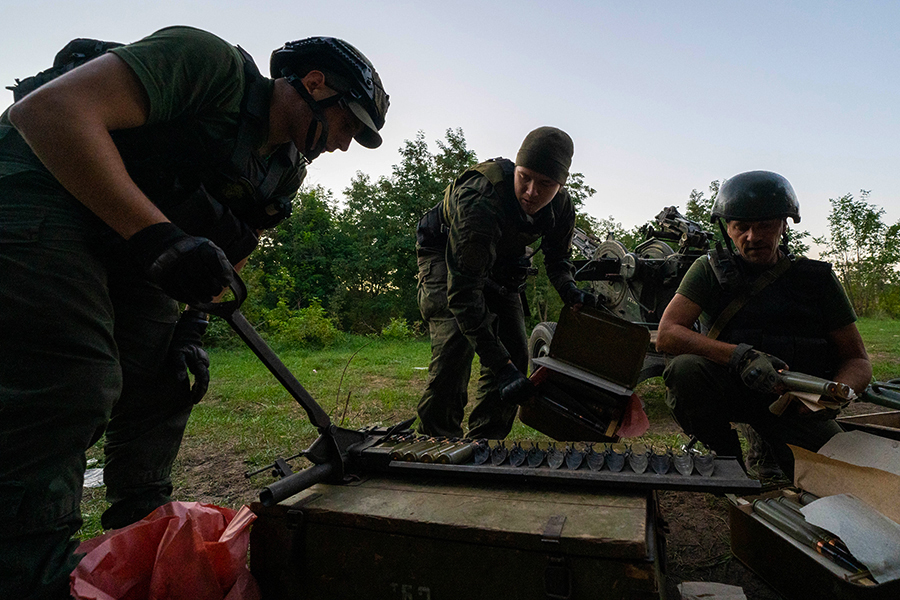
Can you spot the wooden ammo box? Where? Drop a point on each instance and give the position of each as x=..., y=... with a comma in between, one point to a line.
x=886, y=424
x=434, y=539
x=794, y=570
x=585, y=382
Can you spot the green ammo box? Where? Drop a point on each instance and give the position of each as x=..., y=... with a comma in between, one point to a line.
x=432, y=539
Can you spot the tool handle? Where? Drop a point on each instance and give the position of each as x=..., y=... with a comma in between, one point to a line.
x=228, y=307
x=294, y=484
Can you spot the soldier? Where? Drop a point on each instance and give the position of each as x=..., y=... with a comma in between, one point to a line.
x=131, y=182
x=761, y=310
x=472, y=259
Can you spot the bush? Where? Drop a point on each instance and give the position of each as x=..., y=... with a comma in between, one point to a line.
x=304, y=326
x=397, y=329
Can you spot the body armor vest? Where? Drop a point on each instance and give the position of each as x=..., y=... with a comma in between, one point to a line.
x=784, y=320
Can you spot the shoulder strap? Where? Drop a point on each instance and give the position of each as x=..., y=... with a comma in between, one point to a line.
x=499, y=171
x=739, y=301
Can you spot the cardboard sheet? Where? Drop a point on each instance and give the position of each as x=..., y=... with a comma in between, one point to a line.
x=870, y=536
x=855, y=462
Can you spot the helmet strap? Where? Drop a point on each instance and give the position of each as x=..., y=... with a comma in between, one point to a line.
x=724, y=231
x=317, y=108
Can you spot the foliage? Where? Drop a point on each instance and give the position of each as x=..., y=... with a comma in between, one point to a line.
x=308, y=326
x=377, y=268
x=294, y=262
x=397, y=329
x=866, y=254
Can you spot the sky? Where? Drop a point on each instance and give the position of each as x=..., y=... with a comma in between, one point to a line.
x=660, y=97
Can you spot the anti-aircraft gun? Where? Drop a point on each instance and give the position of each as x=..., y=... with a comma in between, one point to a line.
x=635, y=285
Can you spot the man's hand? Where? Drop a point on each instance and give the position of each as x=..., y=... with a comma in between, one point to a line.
x=758, y=370
x=514, y=387
x=572, y=295
x=186, y=352
x=190, y=269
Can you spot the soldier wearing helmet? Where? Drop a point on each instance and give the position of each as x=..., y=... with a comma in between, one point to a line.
x=761, y=310
x=127, y=185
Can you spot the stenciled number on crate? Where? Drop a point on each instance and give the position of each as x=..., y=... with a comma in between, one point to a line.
x=410, y=592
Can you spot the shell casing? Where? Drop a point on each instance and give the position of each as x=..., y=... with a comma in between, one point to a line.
x=415, y=455
x=386, y=446
x=432, y=455
x=400, y=449
x=457, y=455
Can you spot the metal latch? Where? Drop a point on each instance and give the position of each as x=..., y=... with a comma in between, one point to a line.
x=557, y=577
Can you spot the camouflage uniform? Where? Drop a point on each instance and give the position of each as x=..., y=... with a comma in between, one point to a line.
x=472, y=266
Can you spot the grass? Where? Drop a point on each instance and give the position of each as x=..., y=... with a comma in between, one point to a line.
x=364, y=382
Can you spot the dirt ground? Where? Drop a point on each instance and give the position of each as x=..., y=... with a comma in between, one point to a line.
x=695, y=524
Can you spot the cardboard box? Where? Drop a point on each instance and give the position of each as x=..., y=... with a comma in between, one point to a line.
x=405, y=539
x=794, y=570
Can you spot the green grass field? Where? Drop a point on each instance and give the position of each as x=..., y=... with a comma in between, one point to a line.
x=249, y=419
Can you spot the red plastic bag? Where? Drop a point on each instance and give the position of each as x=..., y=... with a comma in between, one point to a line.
x=181, y=551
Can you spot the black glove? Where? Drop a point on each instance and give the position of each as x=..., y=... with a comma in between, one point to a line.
x=758, y=370
x=186, y=352
x=572, y=295
x=514, y=387
x=190, y=269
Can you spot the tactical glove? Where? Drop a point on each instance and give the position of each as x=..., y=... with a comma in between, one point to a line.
x=758, y=370
x=190, y=269
x=572, y=295
x=186, y=352
x=514, y=387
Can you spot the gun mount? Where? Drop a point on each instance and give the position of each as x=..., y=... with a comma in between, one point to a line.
x=635, y=285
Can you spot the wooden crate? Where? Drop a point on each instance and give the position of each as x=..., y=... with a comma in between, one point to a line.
x=794, y=570
x=415, y=539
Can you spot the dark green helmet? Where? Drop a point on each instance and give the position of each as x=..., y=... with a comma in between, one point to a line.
x=347, y=71
x=756, y=196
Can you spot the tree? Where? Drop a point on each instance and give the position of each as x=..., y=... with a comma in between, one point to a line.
x=865, y=253
x=293, y=264
x=377, y=269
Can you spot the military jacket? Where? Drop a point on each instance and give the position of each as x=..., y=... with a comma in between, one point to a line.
x=488, y=233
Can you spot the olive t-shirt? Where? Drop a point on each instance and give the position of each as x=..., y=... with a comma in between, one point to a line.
x=701, y=286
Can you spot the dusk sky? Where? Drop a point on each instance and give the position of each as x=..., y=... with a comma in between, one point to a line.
x=659, y=97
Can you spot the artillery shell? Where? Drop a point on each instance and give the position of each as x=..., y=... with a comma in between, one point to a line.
x=535, y=456
x=517, y=455
x=638, y=457
x=661, y=461
x=705, y=463
x=401, y=451
x=439, y=445
x=555, y=458
x=684, y=462
x=615, y=457
x=499, y=454
x=457, y=455
x=482, y=452
x=574, y=458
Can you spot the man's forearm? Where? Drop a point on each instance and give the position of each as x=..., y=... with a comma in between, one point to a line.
x=677, y=339
x=856, y=372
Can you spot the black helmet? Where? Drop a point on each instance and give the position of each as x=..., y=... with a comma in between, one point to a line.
x=756, y=196
x=347, y=70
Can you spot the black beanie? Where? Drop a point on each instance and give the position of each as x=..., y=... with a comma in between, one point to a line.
x=548, y=151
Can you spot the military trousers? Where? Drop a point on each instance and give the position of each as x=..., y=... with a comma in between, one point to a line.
x=442, y=406
x=706, y=398
x=84, y=344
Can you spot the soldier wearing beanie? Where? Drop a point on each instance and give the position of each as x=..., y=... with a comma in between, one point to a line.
x=473, y=262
